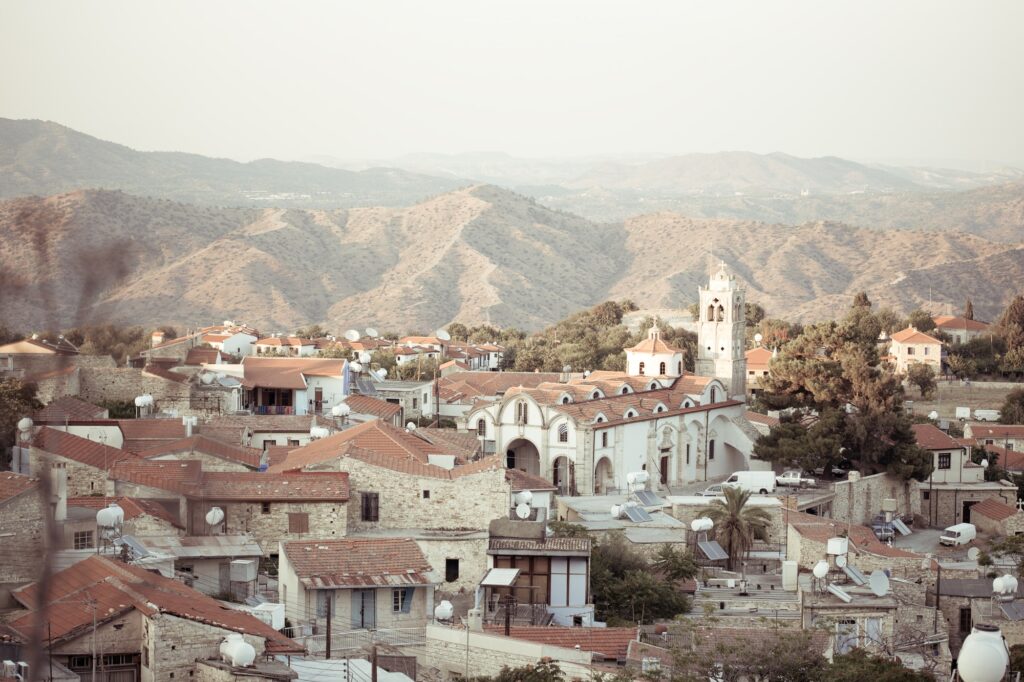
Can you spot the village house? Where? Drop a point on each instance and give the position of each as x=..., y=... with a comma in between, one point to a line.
x=22, y=519
x=284, y=345
x=966, y=601
x=910, y=346
x=197, y=357
x=290, y=386
x=264, y=431
x=142, y=518
x=997, y=519
x=1007, y=436
x=214, y=454
x=415, y=355
x=432, y=343
x=366, y=407
x=218, y=565
x=960, y=329
x=758, y=361
x=364, y=583
x=956, y=484
x=234, y=341
x=148, y=627
x=415, y=396
x=84, y=463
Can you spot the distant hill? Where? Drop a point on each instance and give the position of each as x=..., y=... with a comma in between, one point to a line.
x=479, y=254
x=44, y=158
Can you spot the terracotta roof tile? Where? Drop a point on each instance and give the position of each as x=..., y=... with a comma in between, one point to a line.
x=133, y=507
x=200, y=443
x=416, y=468
x=359, y=562
x=653, y=344
x=761, y=418
x=931, y=437
x=288, y=372
x=463, y=387
x=181, y=477
x=462, y=444
x=521, y=480
x=199, y=356
x=12, y=484
x=551, y=545
x=912, y=335
x=365, y=404
x=950, y=322
x=118, y=588
x=270, y=423
x=377, y=436
x=1011, y=460
x=70, y=408
x=758, y=358
x=158, y=370
x=79, y=449
x=994, y=509
x=994, y=431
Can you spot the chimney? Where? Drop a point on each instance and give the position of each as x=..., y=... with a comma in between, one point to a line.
x=157, y=338
x=59, y=481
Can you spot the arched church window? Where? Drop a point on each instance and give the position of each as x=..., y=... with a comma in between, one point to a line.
x=720, y=314
x=714, y=395
x=641, y=368
x=521, y=412
x=481, y=428
x=566, y=400
x=563, y=433
x=711, y=313
x=661, y=369
x=679, y=368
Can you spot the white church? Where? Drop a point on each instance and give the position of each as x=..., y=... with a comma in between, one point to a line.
x=585, y=435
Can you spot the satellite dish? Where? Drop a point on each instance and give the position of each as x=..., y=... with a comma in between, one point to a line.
x=380, y=374
x=214, y=516
x=356, y=367
x=973, y=553
x=352, y=335
x=820, y=569
x=933, y=415
x=443, y=335
x=984, y=463
x=206, y=378
x=524, y=497
x=25, y=424
x=567, y=368
x=371, y=332
x=522, y=511
x=365, y=357
x=879, y=583
x=758, y=338
x=411, y=426
x=444, y=610
x=841, y=560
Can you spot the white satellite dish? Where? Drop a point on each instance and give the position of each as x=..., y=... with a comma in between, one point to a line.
x=25, y=424
x=841, y=560
x=522, y=511
x=365, y=357
x=443, y=335
x=356, y=367
x=371, y=332
x=214, y=516
x=973, y=553
x=933, y=415
x=758, y=338
x=206, y=378
x=984, y=464
x=879, y=583
x=411, y=426
x=820, y=569
x=524, y=497
x=380, y=374
x=352, y=335
x=444, y=610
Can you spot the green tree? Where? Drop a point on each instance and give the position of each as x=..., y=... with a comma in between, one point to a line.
x=753, y=314
x=1010, y=325
x=776, y=654
x=624, y=587
x=1011, y=547
x=542, y=671
x=922, y=376
x=960, y=366
x=458, y=331
x=675, y=564
x=969, y=310
x=17, y=400
x=313, y=331
x=736, y=524
x=792, y=444
x=859, y=665
x=861, y=300
x=1012, y=411
x=890, y=321
x=921, y=320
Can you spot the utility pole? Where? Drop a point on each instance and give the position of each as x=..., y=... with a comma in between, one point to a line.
x=330, y=600
x=92, y=602
x=373, y=663
x=49, y=647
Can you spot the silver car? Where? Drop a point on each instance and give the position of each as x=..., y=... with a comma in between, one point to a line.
x=712, y=491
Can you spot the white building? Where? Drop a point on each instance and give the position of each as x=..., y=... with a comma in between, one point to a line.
x=721, y=329
x=654, y=357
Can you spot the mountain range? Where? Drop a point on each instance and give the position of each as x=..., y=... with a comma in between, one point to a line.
x=477, y=254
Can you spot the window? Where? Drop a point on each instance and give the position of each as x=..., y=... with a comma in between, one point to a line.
x=293, y=443
x=370, y=510
x=926, y=495
x=324, y=602
x=269, y=443
x=944, y=459
x=679, y=367
x=926, y=350
x=910, y=351
x=521, y=413
x=566, y=400
x=266, y=508
x=711, y=449
x=79, y=662
x=481, y=427
x=563, y=433
x=83, y=539
x=846, y=635
x=401, y=600
x=426, y=494
x=714, y=395
x=873, y=631
x=451, y=570
x=426, y=398
x=415, y=403
x=604, y=439
x=641, y=368
x=687, y=453
x=661, y=368
x=965, y=619
x=298, y=522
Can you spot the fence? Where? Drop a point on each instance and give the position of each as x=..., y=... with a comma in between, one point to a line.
x=357, y=643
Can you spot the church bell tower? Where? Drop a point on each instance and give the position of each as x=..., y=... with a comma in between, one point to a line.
x=721, y=331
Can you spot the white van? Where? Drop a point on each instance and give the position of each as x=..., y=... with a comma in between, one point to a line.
x=986, y=415
x=960, y=534
x=963, y=413
x=755, y=481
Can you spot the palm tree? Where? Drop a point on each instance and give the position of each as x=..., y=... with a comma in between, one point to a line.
x=736, y=525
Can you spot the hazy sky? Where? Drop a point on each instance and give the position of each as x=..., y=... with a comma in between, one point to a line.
x=866, y=80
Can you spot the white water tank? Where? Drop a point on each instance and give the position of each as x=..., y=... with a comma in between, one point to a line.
x=444, y=610
x=243, y=570
x=637, y=477
x=110, y=516
x=837, y=546
x=701, y=525
x=616, y=511
x=236, y=651
x=983, y=656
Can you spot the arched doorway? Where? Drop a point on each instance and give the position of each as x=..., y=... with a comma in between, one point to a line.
x=522, y=454
x=562, y=475
x=603, y=476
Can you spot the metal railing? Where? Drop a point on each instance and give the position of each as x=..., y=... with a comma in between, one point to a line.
x=355, y=643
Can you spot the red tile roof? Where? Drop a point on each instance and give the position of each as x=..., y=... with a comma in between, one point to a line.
x=103, y=588
x=69, y=408
x=931, y=437
x=521, y=480
x=821, y=529
x=12, y=484
x=199, y=356
x=994, y=431
x=462, y=444
x=288, y=372
x=653, y=344
x=951, y=322
x=181, y=477
x=761, y=418
x=199, y=443
x=609, y=643
x=79, y=449
x=377, y=436
x=142, y=434
x=993, y=509
x=912, y=335
x=365, y=404
x=158, y=370
x=758, y=358
x=359, y=562
x=417, y=468
x=463, y=387
x=1011, y=460
x=133, y=507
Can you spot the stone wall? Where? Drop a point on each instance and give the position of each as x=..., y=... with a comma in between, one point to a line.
x=947, y=505
x=83, y=480
x=327, y=520
x=50, y=388
x=125, y=383
x=471, y=551
x=450, y=650
x=22, y=530
x=175, y=643
x=210, y=462
x=466, y=503
x=110, y=639
x=858, y=500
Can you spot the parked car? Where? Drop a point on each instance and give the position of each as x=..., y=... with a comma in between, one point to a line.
x=986, y=415
x=960, y=534
x=838, y=470
x=762, y=482
x=883, y=529
x=712, y=491
x=795, y=477
x=963, y=413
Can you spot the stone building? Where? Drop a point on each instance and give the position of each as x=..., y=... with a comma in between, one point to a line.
x=214, y=454
x=148, y=627
x=1007, y=436
x=85, y=462
x=22, y=518
x=359, y=583
x=997, y=519
x=142, y=518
